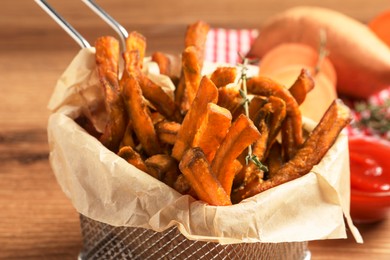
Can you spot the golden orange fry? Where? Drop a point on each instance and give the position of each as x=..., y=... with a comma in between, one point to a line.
x=196, y=169
x=212, y=130
x=163, y=62
x=303, y=85
x=107, y=56
x=150, y=90
x=167, y=131
x=267, y=87
x=242, y=133
x=192, y=76
x=139, y=115
x=315, y=147
x=231, y=99
x=196, y=35
x=161, y=164
x=133, y=157
x=223, y=76
x=207, y=93
x=136, y=42
x=274, y=160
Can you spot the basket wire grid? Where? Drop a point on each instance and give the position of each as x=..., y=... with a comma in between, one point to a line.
x=102, y=241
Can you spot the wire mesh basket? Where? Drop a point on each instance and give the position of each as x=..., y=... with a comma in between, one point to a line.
x=102, y=241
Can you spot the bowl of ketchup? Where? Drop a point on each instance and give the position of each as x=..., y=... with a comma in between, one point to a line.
x=370, y=179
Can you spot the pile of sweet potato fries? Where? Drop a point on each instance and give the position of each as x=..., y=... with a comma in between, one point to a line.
x=201, y=139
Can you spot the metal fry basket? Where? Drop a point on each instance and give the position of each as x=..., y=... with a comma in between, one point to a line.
x=102, y=241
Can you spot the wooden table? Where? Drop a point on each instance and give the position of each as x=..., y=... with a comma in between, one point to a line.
x=37, y=221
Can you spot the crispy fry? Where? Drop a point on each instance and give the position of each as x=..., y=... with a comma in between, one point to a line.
x=274, y=160
x=242, y=133
x=151, y=91
x=182, y=185
x=107, y=56
x=139, y=115
x=160, y=164
x=196, y=35
x=256, y=103
x=303, y=85
x=207, y=93
x=128, y=139
x=163, y=62
x=259, y=148
x=276, y=110
x=192, y=76
x=231, y=99
x=136, y=42
x=167, y=131
x=159, y=99
x=133, y=158
x=311, y=153
x=196, y=169
x=212, y=130
x=223, y=76
x=266, y=87
x=288, y=141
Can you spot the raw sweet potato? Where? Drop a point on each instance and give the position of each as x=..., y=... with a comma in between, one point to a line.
x=380, y=25
x=361, y=59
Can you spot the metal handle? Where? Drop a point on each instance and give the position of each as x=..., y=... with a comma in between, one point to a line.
x=123, y=34
x=64, y=24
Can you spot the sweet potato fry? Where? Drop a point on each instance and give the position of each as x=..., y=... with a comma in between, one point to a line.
x=192, y=76
x=133, y=157
x=242, y=133
x=107, y=56
x=310, y=154
x=266, y=87
x=136, y=42
x=196, y=35
x=212, y=130
x=163, y=103
x=139, y=115
x=259, y=148
x=182, y=185
x=167, y=131
x=128, y=139
x=151, y=91
x=207, y=93
x=160, y=164
x=256, y=103
x=231, y=99
x=223, y=76
x=163, y=62
x=196, y=169
x=274, y=160
x=276, y=108
x=303, y=85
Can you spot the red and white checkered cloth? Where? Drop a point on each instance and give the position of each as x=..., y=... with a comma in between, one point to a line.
x=223, y=46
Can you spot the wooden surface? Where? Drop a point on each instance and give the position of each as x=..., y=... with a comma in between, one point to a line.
x=37, y=221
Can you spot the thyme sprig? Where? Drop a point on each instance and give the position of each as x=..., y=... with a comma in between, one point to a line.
x=322, y=51
x=244, y=94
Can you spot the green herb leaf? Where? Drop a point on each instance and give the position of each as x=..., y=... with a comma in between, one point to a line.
x=256, y=161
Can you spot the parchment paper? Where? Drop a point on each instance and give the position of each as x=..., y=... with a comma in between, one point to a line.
x=104, y=187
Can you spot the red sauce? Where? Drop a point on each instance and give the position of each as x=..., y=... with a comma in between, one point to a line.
x=370, y=178
x=370, y=166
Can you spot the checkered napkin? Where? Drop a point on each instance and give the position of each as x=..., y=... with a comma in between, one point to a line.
x=224, y=45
